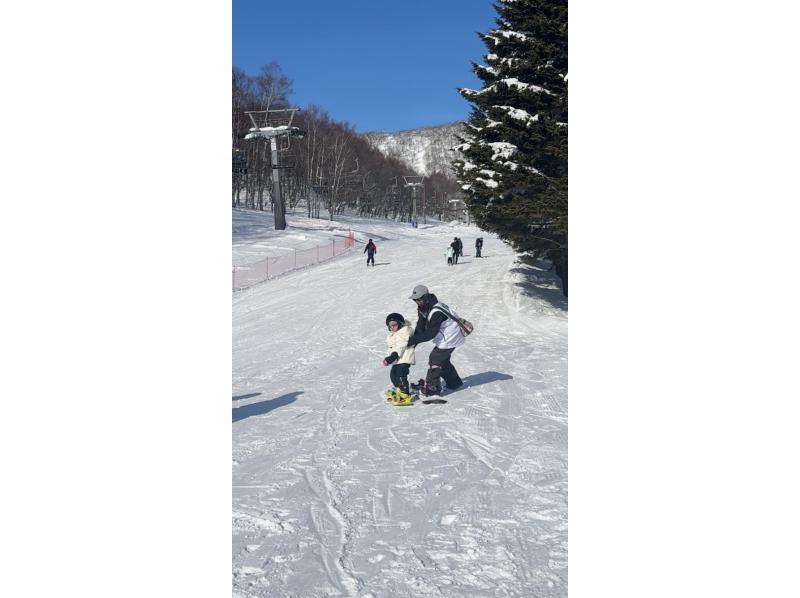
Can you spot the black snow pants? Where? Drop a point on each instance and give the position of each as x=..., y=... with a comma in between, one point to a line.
x=440, y=367
x=399, y=376
x=370, y=258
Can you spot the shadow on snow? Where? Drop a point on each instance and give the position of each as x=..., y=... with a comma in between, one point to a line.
x=240, y=413
x=483, y=378
x=540, y=282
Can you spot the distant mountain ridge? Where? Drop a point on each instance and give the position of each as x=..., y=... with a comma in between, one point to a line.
x=426, y=150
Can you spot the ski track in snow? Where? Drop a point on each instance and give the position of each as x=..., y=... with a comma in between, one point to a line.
x=337, y=493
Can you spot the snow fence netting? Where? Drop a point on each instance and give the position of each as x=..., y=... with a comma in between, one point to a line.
x=271, y=267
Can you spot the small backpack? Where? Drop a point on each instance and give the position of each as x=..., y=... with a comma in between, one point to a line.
x=464, y=325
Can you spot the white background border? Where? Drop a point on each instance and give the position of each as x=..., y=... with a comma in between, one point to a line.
x=116, y=319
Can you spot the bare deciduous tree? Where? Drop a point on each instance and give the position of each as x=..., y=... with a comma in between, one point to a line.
x=334, y=167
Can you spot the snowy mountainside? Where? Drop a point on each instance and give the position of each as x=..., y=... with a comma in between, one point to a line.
x=426, y=150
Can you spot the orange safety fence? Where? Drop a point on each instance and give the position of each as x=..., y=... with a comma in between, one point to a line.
x=246, y=276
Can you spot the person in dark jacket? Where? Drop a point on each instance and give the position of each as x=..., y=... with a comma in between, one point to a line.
x=478, y=246
x=434, y=324
x=370, y=250
x=454, y=245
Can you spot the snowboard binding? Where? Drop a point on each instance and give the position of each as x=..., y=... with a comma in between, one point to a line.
x=399, y=398
x=425, y=389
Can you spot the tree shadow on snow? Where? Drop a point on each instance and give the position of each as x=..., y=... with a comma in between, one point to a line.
x=240, y=413
x=484, y=378
x=247, y=396
x=539, y=282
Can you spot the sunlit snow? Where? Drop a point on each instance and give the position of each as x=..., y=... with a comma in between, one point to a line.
x=336, y=492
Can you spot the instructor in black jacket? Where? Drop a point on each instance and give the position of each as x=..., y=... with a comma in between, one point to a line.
x=434, y=323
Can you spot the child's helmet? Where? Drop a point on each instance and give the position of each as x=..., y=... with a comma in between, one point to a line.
x=395, y=317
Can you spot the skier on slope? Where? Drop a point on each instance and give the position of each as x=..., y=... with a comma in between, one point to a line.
x=434, y=324
x=401, y=358
x=449, y=254
x=454, y=245
x=478, y=246
x=371, y=249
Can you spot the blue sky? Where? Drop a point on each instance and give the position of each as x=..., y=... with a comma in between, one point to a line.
x=378, y=65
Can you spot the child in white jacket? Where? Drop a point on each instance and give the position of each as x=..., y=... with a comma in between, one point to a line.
x=401, y=358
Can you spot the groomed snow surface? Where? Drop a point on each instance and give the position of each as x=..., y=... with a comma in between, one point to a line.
x=338, y=493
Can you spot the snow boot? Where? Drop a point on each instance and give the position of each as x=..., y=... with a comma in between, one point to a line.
x=419, y=384
x=391, y=394
x=425, y=389
x=430, y=391
x=402, y=399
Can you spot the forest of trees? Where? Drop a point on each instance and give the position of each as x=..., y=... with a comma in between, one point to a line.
x=512, y=164
x=331, y=168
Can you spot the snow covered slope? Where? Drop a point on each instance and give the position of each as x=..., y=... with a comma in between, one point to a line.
x=426, y=150
x=337, y=493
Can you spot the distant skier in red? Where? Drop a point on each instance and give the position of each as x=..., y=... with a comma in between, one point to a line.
x=371, y=249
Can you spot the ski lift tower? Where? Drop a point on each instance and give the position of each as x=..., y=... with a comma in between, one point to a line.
x=275, y=125
x=415, y=182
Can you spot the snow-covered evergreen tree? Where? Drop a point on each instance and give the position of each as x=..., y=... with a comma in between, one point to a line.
x=512, y=164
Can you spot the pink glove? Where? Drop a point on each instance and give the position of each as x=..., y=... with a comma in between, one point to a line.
x=384, y=362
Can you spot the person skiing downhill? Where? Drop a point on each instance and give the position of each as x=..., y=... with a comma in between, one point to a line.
x=401, y=358
x=434, y=324
x=371, y=249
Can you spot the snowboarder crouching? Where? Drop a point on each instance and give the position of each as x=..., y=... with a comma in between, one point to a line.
x=401, y=358
x=434, y=324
